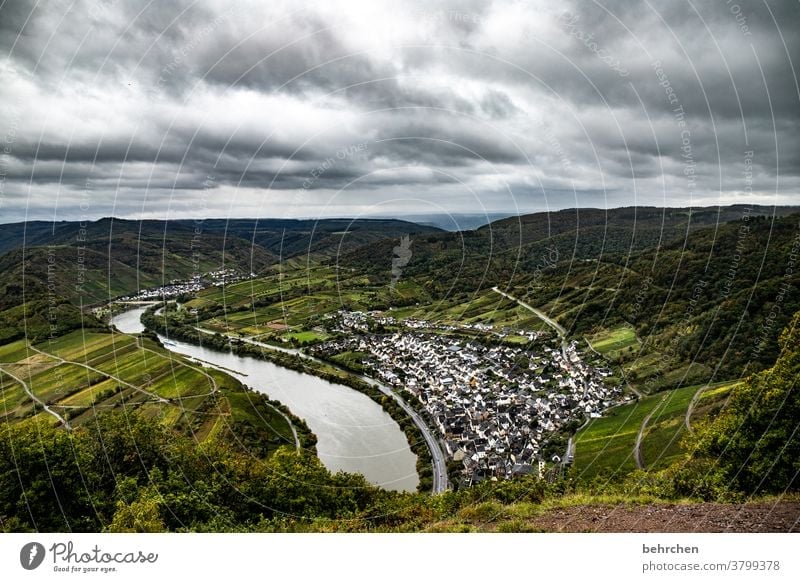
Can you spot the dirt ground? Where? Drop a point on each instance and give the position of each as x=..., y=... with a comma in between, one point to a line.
x=780, y=516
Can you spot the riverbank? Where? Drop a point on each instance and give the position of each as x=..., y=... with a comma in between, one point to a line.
x=415, y=439
x=229, y=410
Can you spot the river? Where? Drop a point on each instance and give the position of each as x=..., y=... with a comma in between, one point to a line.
x=354, y=434
x=129, y=321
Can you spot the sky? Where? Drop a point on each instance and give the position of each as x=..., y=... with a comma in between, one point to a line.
x=188, y=109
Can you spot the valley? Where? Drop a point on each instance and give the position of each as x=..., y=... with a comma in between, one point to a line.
x=564, y=369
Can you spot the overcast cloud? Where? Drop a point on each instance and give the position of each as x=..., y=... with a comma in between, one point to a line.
x=334, y=108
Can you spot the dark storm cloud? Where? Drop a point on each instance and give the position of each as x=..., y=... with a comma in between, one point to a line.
x=383, y=100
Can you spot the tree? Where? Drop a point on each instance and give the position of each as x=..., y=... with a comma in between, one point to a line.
x=141, y=516
x=755, y=442
x=46, y=479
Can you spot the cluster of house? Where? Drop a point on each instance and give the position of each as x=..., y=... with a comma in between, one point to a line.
x=495, y=406
x=178, y=287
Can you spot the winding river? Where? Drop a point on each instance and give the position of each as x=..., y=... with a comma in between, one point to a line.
x=354, y=433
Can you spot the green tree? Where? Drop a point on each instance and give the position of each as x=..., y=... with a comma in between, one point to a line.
x=755, y=442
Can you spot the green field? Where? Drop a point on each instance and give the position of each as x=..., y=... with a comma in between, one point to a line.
x=613, y=342
x=14, y=351
x=14, y=403
x=661, y=444
x=605, y=447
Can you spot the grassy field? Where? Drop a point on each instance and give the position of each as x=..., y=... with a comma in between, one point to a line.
x=14, y=403
x=80, y=375
x=661, y=444
x=614, y=342
x=605, y=447
x=14, y=351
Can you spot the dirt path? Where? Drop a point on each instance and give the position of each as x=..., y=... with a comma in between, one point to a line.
x=778, y=516
x=102, y=373
x=36, y=399
x=637, y=446
x=690, y=409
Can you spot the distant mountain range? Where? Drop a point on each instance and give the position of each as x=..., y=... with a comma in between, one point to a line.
x=454, y=222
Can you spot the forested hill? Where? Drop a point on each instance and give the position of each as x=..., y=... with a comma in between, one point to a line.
x=521, y=245
x=285, y=237
x=95, y=261
x=704, y=285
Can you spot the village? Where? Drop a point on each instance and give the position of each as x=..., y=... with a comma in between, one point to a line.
x=178, y=287
x=494, y=405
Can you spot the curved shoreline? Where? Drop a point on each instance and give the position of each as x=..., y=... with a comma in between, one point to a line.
x=438, y=459
x=304, y=364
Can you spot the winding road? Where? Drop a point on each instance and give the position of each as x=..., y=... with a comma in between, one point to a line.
x=637, y=447
x=555, y=325
x=38, y=400
x=562, y=333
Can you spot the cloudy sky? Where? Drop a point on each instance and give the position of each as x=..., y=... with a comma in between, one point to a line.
x=343, y=108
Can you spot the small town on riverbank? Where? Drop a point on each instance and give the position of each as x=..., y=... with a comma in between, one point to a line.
x=494, y=405
x=178, y=287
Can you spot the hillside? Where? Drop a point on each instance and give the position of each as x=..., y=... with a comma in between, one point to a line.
x=211, y=458
x=705, y=286
x=527, y=244
x=753, y=445
x=96, y=263
x=284, y=237
x=328, y=237
x=717, y=298
x=92, y=262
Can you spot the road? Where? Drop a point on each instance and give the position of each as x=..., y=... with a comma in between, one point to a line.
x=569, y=453
x=637, y=446
x=102, y=373
x=439, y=462
x=693, y=403
x=562, y=333
x=559, y=329
x=38, y=400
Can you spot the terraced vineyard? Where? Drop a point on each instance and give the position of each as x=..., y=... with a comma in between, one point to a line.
x=615, y=342
x=73, y=378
